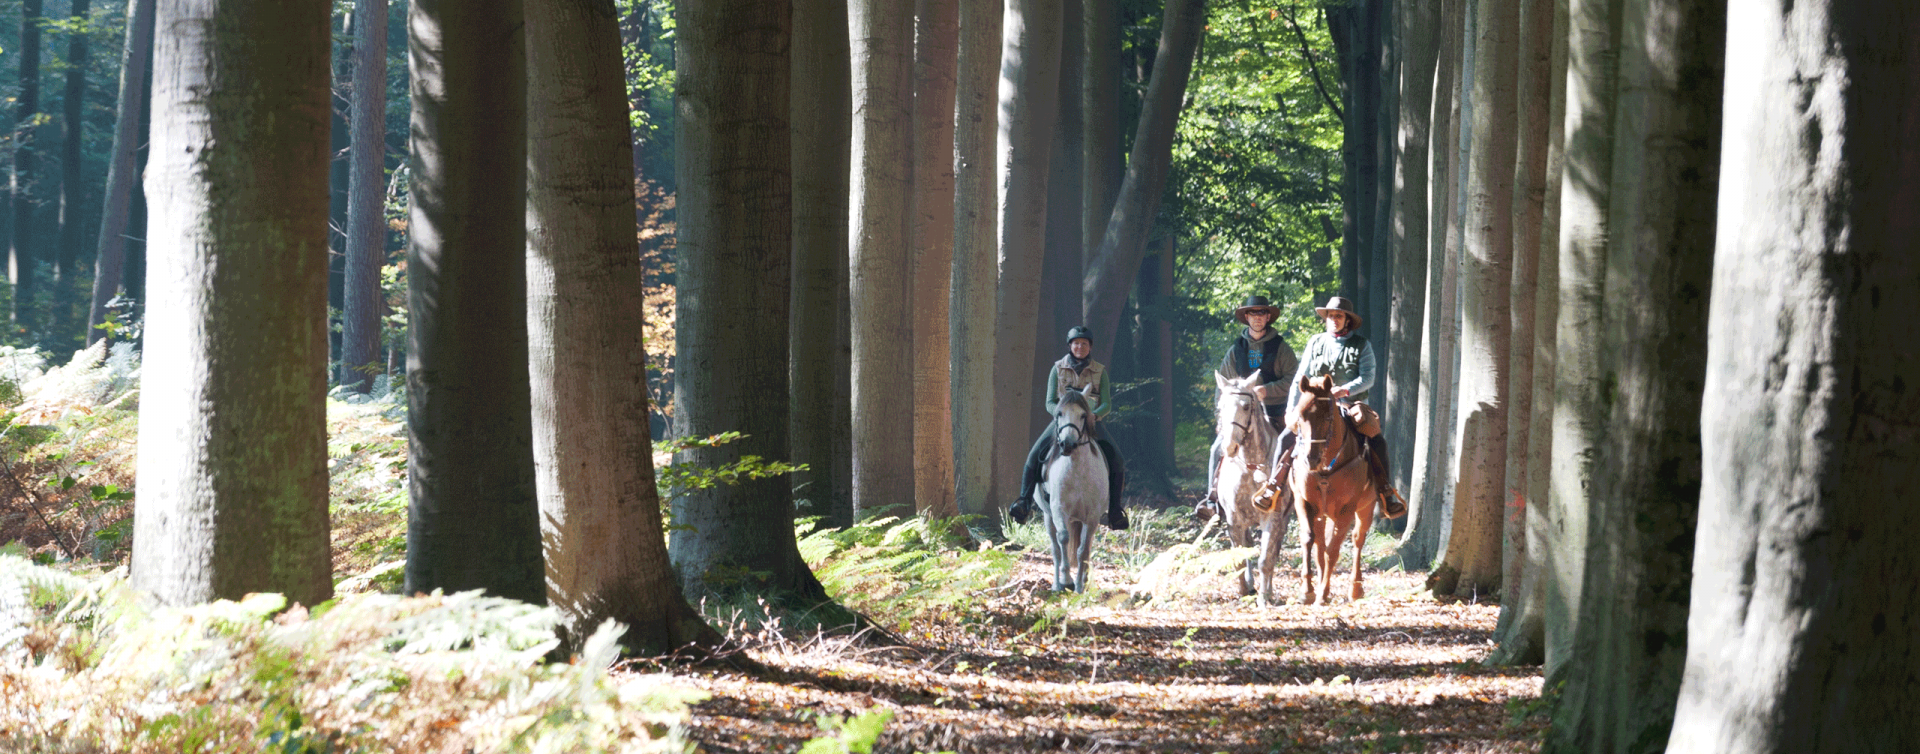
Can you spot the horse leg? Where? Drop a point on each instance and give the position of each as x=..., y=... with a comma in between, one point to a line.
x=1363, y=520
x=1057, y=538
x=1309, y=543
x=1330, y=553
x=1242, y=536
x=1083, y=551
x=1276, y=530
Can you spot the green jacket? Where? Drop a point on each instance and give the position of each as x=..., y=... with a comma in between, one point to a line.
x=1091, y=381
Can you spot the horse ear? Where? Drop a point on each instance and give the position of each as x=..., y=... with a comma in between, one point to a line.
x=1219, y=382
x=1248, y=383
x=1306, y=383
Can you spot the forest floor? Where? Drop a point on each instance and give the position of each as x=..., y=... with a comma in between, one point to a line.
x=1207, y=671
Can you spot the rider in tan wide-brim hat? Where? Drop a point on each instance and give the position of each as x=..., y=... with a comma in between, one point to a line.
x=1339, y=304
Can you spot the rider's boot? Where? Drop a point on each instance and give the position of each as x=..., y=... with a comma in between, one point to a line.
x=1390, y=502
x=1116, y=488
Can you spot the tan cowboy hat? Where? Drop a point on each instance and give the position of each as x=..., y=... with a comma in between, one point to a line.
x=1338, y=304
x=1254, y=304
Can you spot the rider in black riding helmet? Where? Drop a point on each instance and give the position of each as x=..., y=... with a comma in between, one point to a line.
x=1258, y=348
x=1076, y=370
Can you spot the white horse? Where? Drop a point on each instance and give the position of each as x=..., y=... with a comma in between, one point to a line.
x=1248, y=445
x=1073, y=492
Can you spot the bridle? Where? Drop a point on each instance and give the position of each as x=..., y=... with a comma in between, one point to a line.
x=1080, y=435
x=1323, y=472
x=1245, y=429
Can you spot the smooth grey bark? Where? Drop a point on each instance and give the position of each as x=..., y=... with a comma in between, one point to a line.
x=935, y=56
x=473, y=520
x=975, y=250
x=22, y=257
x=1029, y=108
x=1103, y=157
x=1114, y=267
x=606, y=552
x=1426, y=518
x=1593, y=44
x=735, y=234
x=1065, y=258
x=821, y=118
x=1801, y=635
x=110, y=256
x=366, y=198
x=1519, y=632
x=71, y=183
x=1377, y=301
x=1472, y=562
x=1633, y=614
x=233, y=466
x=1418, y=27
x=879, y=259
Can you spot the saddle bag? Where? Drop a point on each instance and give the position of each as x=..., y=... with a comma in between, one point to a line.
x=1365, y=420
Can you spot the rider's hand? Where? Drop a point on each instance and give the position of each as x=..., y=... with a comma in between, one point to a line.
x=1340, y=392
x=1260, y=392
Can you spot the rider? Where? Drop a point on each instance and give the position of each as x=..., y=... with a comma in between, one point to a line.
x=1257, y=349
x=1347, y=356
x=1078, y=371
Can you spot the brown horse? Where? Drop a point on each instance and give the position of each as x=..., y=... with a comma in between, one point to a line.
x=1333, y=492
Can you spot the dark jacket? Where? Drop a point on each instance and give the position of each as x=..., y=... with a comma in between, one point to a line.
x=1275, y=359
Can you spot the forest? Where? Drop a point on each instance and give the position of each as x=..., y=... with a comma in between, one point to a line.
x=665, y=375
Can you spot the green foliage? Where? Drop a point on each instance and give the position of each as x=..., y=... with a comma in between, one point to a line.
x=900, y=570
x=856, y=735
x=365, y=673
x=676, y=479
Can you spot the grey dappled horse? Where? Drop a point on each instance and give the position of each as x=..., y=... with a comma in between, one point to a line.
x=1249, y=443
x=1073, y=492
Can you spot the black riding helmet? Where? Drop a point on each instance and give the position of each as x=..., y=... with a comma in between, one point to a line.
x=1079, y=331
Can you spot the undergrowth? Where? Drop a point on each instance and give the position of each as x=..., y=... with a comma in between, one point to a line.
x=898, y=571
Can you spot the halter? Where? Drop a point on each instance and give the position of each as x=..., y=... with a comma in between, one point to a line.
x=1080, y=434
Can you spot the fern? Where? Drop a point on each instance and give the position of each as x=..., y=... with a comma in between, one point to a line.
x=898, y=570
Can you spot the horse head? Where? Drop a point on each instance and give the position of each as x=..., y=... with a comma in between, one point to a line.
x=1316, y=418
x=1236, y=410
x=1073, y=414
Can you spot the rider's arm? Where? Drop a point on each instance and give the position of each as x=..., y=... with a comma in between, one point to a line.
x=1365, y=381
x=1300, y=373
x=1053, y=390
x=1099, y=395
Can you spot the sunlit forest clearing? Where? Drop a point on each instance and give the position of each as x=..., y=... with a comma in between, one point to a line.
x=836, y=376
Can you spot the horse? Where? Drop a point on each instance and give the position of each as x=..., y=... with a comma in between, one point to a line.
x=1333, y=491
x=1073, y=491
x=1248, y=444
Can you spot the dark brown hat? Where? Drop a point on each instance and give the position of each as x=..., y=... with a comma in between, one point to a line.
x=1254, y=304
x=1338, y=304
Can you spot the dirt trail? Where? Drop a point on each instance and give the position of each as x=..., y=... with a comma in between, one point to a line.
x=1394, y=672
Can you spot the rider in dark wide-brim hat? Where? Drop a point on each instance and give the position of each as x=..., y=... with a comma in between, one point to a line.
x=1255, y=304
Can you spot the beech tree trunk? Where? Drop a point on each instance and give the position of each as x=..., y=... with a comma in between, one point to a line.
x=1801, y=636
x=1123, y=244
x=1103, y=156
x=473, y=520
x=1474, y=548
x=1593, y=44
x=1419, y=29
x=110, y=258
x=975, y=250
x=735, y=230
x=1065, y=258
x=599, y=507
x=21, y=255
x=233, y=462
x=820, y=109
x=1029, y=102
x=72, y=219
x=366, y=198
x=882, y=183
x=935, y=51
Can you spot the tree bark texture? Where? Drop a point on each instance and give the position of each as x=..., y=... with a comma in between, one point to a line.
x=735, y=231
x=1103, y=156
x=935, y=56
x=821, y=112
x=233, y=468
x=1376, y=300
x=1593, y=44
x=1474, y=547
x=1029, y=106
x=1419, y=29
x=473, y=520
x=880, y=274
x=605, y=548
x=72, y=220
x=1123, y=244
x=21, y=255
x=1801, y=635
x=366, y=198
x=110, y=257
x=1064, y=263
x=972, y=324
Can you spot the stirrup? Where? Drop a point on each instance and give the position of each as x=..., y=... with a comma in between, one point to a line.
x=1392, y=504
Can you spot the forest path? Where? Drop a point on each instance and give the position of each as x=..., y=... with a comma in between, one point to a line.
x=1396, y=671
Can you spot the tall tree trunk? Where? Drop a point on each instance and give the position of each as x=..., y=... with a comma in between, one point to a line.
x=474, y=520
x=1065, y=258
x=1593, y=43
x=21, y=255
x=1419, y=29
x=599, y=507
x=233, y=467
x=882, y=179
x=366, y=198
x=1111, y=273
x=1029, y=102
x=735, y=231
x=1426, y=495
x=73, y=130
x=820, y=111
x=1519, y=631
x=122, y=169
x=1376, y=298
x=935, y=50
x=1801, y=636
x=1633, y=613
x=1474, y=548
x=975, y=248
x=1103, y=156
